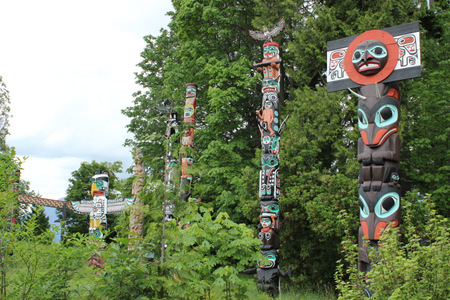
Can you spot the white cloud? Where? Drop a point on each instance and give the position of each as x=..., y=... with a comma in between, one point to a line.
x=69, y=67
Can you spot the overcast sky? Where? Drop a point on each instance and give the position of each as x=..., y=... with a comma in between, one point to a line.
x=69, y=68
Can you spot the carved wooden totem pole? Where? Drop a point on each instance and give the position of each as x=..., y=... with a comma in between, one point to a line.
x=100, y=206
x=270, y=127
x=136, y=215
x=187, y=141
x=171, y=161
x=373, y=62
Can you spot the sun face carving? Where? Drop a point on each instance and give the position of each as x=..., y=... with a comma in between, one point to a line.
x=370, y=57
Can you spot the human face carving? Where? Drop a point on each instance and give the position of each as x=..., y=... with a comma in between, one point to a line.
x=370, y=57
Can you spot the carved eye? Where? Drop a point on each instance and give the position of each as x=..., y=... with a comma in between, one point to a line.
x=378, y=51
x=362, y=119
x=387, y=205
x=363, y=207
x=386, y=115
x=273, y=162
x=357, y=56
x=271, y=257
x=268, y=235
x=274, y=208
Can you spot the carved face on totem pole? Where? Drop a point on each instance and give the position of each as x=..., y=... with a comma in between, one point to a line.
x=191, y=102
x=270, y=144
x=268, y=234
x=270, y=207
x=379, y=118
x=370, y=57
x=272, y=256
x=378, y=209
x=100, y=183
x=270, y=85
x=191, y=90
x=188, y=139
x=271, y=50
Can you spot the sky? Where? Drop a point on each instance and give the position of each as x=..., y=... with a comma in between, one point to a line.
x=69, y=67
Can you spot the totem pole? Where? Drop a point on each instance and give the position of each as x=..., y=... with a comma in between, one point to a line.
x=168, y=204
x=372, y=62
x=96, y=208
x=100, y=205
x=187, y=141
x=270, y=128
x=136, y=216
x=172, y=128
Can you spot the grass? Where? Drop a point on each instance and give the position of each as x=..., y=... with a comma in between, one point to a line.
x=293, y=292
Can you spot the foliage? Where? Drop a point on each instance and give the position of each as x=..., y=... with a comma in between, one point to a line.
x=210, y=252
x=415, y=266
x=425, y=113
x=4, y=114
x=40, y=220
x=126, y=274
x=207, y=42
x=9, y=166
x=39, y=269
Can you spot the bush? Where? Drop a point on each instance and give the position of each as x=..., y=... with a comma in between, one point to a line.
x=411, y=263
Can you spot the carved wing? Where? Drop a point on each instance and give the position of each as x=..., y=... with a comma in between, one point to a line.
x=277, y=28
x=257, y=35
x=118, y=205
x=82, y=207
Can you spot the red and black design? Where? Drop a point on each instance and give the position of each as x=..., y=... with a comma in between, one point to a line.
x=187, y=142
x=373, y=62
x=270, y=127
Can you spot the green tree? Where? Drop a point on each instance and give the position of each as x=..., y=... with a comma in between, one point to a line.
x=208, y=43
x=27, y=211
x=4, y=113
x=42, y=220
x=8, y=205
x=426, y=151
x=80, y=189
x=209, y=253
x=40, y=269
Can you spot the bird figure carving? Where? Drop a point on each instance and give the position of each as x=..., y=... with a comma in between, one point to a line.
x=267, y=35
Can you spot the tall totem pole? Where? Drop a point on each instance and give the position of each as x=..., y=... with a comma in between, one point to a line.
x=136, y=214
x=171, y=161
x=187, y=141
x=372, y=62
x=270, y=128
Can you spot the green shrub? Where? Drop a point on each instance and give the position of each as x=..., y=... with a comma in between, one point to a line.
x=411, y=263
